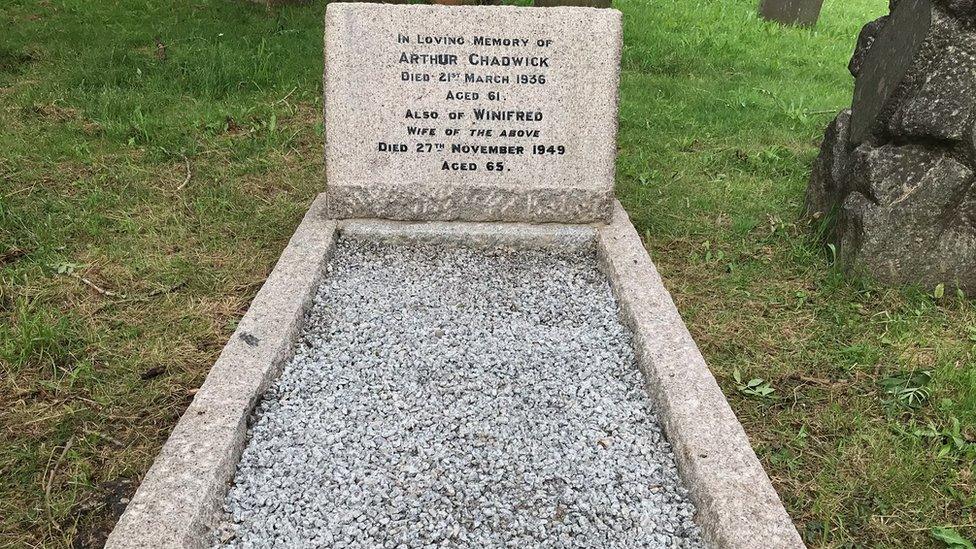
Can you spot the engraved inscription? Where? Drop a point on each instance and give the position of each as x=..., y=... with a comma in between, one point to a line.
x=489, y=126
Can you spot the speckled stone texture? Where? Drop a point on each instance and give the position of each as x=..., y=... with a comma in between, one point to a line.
x=894, y=180
x=578, y=3
x=177, y=504
x=549, y=76
x=802, y=13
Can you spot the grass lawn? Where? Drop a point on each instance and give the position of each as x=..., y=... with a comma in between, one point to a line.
x=155, y=157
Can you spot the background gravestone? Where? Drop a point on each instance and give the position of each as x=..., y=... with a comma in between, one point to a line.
x=791, y=12
x=577, y=3
x=894, y=181
x=458, y=123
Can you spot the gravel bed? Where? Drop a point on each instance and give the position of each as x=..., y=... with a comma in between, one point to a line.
x=459, y=398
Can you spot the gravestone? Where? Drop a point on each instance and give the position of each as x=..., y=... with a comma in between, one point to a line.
x=804, y=13
x=888, y=58
x=894, y=181
x=462, y=123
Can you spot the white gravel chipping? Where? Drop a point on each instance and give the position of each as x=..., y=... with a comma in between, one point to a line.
x=446, y=397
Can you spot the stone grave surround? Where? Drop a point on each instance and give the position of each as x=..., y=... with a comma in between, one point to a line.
x=894, y=179
x=803, y=13
x=416, y=100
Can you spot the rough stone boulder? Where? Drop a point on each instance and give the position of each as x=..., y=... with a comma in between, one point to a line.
x=895, y=182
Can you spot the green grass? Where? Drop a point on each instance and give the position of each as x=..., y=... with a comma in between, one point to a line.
x=171, y=183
